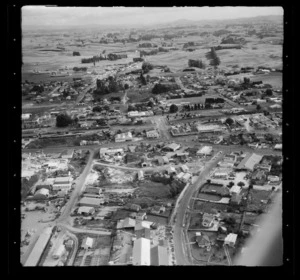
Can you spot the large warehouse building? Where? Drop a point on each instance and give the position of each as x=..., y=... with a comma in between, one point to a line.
x=39, y=248
x=141, y=252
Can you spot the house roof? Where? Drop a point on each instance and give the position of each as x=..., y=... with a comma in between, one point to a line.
x=126, y=223
x=39, y=247
x=250, y=161
x=141, y=252
x=159, y=256
x=231, y=237
x=173, y=146
x=91, y=201
x=85, y=209
x=144, y=232
x=42, y=191
x=202, y=239
x=88, y=241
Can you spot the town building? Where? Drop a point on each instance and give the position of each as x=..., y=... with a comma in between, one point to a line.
x=230, y=239
x=249, y=162
x=86, y=210
x=92, y=202
x=207, y=220
x=202, y=240
x=126, y=223
x=41, y=194
x=159, y=256
x=122, y=137
x=172, y=147
x=206, y=151
x=152, y=134
x=87, y=243
x=39, y=247
x=141, y=252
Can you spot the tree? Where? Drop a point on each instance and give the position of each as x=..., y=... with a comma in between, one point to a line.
x=241, y=184
x=269, y=92
x=258, y=107
x=215, y=61
x=63, y=120
x=146, y=67
x=143, y=80
x=126, y=86
x=173, y=108
x=229, y=121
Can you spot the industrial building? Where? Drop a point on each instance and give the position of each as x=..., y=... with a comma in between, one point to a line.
x=141, y=252
x=159, y=256
x=39, y=247
x=92, y=202
x=249, y=162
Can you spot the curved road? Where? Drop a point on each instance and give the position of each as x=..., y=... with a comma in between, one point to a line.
x=179, y=236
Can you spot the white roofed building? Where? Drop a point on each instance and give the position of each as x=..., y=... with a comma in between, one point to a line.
x=230, y=239
x=141, y=252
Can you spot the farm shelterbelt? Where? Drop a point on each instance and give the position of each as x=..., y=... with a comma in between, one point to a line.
x=152, y=145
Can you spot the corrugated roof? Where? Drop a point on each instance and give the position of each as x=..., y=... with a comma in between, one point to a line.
x=159, y=256
x=39, y=247
x=141, y=252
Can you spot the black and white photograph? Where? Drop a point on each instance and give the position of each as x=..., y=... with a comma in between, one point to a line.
x=151, y=136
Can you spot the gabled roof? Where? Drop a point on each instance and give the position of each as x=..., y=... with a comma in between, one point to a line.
x=159, y=256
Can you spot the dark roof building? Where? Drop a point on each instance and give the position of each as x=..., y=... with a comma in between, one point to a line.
x=159, y=256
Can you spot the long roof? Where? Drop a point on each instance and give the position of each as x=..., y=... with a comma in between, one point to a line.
x=91, y=201
x=249, y=161
x=159, y=256
x=141, y=252
x=39, y=247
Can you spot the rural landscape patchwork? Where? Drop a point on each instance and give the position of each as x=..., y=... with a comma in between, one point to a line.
x=155, y=144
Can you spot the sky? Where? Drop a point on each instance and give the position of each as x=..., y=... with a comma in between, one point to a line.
x=43, y=16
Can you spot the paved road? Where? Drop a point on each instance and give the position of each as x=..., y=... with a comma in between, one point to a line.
x=76, y=192
x=179, y=238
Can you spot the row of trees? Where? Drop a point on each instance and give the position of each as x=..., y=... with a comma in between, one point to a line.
x=196, y=63
x=64, y=120
x=215, y=60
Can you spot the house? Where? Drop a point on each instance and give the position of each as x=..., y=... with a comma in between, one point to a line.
x=207, y=220
x=249, y=162
x=159, y=256
x=152, y=134
x=41, y=194
x=172, y=147
x=141, y=252
x=92, y=202
x=59, y=252
x=109, y=152
x=86, y=210
x=186, y=177
x=26, y=116
x=278, y=147
x=62, y=186
x=230, y=239
x=122, y=137
x=134, y=207
x=140, y=175
x=92, y=190
x=143, y=233
x=206, y=151
x=43, y=186
x=171, y=170
x=68, y=154
x=235, y=189
x=236, y=199
x=87, y=243
x=126, y=223
x=203, y=241
x=184, y=168
x=141, y=216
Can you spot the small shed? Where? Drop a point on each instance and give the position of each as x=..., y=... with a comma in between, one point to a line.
x=87, y=243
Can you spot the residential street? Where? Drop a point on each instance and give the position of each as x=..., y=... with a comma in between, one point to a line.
x=179, y=239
